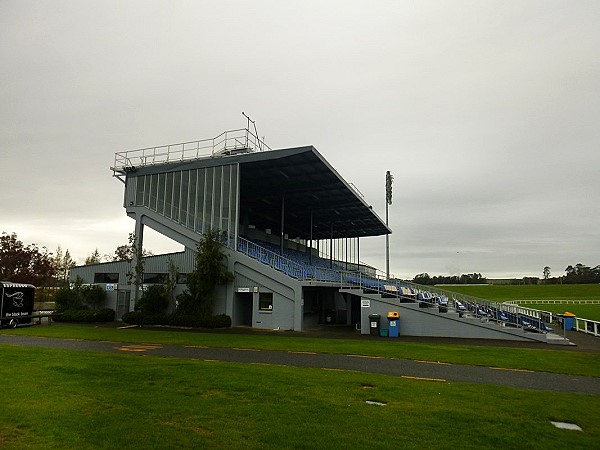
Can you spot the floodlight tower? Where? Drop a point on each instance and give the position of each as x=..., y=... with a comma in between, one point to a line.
x=389, y=178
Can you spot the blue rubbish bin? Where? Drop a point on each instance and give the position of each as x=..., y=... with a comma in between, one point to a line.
x=568, y=321
x=393, y=323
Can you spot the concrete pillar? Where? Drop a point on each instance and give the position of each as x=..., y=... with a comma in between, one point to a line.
x=137, y=278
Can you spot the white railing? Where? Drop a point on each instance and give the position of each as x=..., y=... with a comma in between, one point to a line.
x=580, y=324
x=556, y=302
x=225, y=144
x=587, y=326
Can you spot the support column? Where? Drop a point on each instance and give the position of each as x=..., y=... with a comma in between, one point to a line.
x=237, y=208
x=137, y=263
x=346, y=257
x=311, y=239
x=331, y=247
x=358, y=253
x=282, y=221
x=387, y=245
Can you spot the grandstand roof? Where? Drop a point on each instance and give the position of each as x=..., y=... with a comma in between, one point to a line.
x=306, y=182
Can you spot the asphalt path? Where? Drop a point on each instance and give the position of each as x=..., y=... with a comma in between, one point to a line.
x=424, y=370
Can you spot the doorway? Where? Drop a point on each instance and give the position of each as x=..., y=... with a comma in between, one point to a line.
x=123, y=303
x=243, y=308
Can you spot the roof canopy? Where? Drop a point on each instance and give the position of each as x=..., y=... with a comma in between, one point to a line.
x=306, y=185
x=300, y=180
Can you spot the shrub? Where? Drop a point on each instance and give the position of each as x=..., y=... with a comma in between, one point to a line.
x=86, y=315
x=155, y=300
x=177, y=320
x=79, y=297
x=140, y=318
x=93, y=296
x=200, y=321
x=67, y=299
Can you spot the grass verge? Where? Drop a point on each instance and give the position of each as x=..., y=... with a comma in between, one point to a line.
x=551, y=360
x=67, y=399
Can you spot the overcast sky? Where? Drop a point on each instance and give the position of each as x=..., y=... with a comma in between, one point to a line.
x=486, y=112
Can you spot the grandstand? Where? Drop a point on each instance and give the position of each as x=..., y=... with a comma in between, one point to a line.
x=292, y=228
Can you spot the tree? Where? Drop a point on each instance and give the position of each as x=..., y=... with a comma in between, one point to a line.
x=582, y=274
x=546, y=272
x=156, y=299
x=209, y=272
x=422, y=278
x=127, y=251
x=79, y=296
x=25, y=263
x=62, y=264
x=69, y=297
x=94, y=258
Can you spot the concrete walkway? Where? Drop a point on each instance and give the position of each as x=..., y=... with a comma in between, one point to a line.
x=425, y=370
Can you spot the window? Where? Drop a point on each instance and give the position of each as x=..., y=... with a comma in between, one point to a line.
x=177, y=196
x=106, y=278
x=153, y=191
x=185, y=181
x=162, y=180
x=155, y=278
x=192, y=213
x=169, y=195
x=208, y=199
x=200, y=200
x=265, y=301
x=182, y=278
x=139, y=195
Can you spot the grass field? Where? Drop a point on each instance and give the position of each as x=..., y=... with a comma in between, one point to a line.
x=571, y=292
x=546, y=292
x=554, y=359
x=70, y=399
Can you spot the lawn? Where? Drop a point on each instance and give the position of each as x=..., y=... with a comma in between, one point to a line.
x=73, y=399
x=553, y=359
x=500, y=293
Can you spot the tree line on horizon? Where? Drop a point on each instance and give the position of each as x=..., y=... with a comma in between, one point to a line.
x=465, y=278
x=577, y=274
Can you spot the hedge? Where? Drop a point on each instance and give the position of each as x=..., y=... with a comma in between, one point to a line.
x=85, y=315
x=177, y=320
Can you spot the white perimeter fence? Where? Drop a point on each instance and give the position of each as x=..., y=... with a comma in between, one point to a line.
x=580, y=324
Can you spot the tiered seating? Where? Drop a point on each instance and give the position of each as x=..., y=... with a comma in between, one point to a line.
x=492, y=313
x=293, y=263
x=297, y=264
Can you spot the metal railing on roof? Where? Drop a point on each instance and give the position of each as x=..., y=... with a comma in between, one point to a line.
x=228, y=143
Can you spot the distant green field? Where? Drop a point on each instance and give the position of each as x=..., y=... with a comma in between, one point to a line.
x=566, y=292
x=535, y=292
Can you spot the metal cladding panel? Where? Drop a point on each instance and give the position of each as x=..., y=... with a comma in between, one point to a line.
x=184, y=261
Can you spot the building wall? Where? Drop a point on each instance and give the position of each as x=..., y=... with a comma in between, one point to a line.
x=250, y=276
x=253, y=277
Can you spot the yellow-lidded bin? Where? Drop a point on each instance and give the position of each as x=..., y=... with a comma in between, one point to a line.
x=393, y=318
